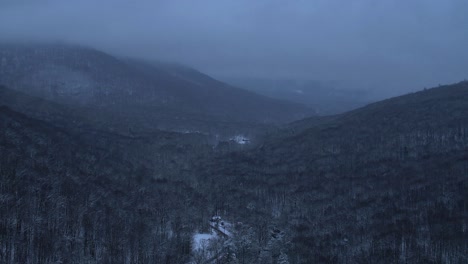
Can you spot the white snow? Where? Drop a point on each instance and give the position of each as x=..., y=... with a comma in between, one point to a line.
x=223, y=228
x=240, y=139
x=201, y=241
x=208, y=246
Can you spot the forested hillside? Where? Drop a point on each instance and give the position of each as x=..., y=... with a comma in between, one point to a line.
x=64, y=201
x=148, y=95
x=385, y=183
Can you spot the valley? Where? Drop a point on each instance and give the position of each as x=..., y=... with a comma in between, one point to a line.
x=110, y=160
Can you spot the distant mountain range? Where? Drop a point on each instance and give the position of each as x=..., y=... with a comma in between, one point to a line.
x=159, y=95
x=326, y=97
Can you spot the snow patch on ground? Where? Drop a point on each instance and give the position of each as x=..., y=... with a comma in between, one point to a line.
x=240, y=139
x=208, y=248
x=201, y=241
x=186, y=131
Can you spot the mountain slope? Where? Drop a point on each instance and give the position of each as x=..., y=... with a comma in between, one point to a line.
x=159, y=95
x=435, y=109
x=164, y=153
x=212, y=96
x=62, y=200
x=384, y=183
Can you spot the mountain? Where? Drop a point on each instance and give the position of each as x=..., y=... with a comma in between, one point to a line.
x=326, y=97
x=158, y=95
x=164, y=153
x=385, y=183
x=63, y=200
x=88, y=176
x=405, y=122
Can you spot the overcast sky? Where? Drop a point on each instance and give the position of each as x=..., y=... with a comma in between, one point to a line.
x=394, y=45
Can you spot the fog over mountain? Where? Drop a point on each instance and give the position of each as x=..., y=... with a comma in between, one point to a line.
x=390, y=47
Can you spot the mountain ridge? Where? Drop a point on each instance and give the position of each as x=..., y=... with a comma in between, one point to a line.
x=82, y=76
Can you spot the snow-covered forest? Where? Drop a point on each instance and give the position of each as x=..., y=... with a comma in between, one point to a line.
x=381, y=183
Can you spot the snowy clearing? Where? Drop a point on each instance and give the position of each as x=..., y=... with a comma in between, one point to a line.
x=240, y=139
x=201, y=241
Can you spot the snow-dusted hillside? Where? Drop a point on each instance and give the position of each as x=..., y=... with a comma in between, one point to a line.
x=73, y=74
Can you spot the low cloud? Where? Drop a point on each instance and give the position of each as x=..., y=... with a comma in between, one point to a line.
x=389, y=46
